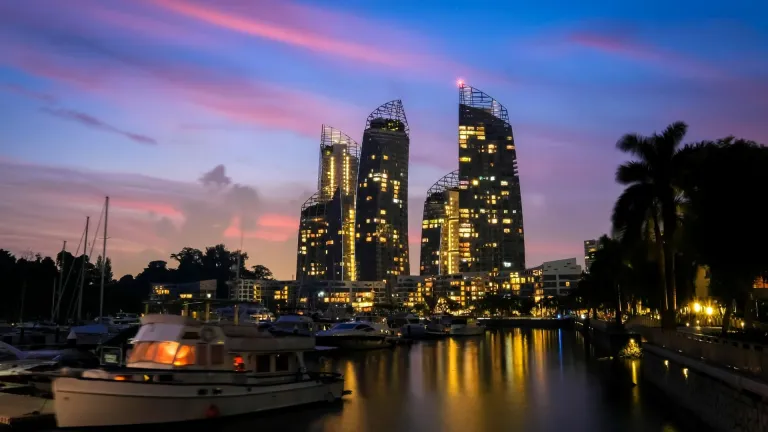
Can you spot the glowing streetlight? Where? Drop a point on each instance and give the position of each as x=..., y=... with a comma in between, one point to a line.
x=697, y=307
x=709, y=310
x=460, y=82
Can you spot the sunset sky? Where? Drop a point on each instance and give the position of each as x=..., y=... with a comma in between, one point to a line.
x=198, y=117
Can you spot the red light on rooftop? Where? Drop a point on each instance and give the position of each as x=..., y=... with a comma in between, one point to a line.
x=460, y=82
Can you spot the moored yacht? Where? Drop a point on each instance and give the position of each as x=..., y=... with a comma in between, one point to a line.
x=293, y=324
x=182, y=370
x=449, y=325
x=365, y=332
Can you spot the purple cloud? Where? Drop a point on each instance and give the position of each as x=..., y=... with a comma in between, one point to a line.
x=93, y=122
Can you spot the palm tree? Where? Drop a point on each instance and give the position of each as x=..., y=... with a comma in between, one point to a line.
x=724, y=227
x=650, y=200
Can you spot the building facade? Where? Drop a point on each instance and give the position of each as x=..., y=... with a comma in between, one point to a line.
x=440, y=228
x=178, y=291
x=590, y=248
x=550, y=279
x=361, y=295
x=490, y=205
x=382, y=196
x=560, y=276
x=326, y=246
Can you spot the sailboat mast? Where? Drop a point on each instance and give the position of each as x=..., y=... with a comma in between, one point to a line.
x=82, y=273
x=103, y=260
x=57, y=292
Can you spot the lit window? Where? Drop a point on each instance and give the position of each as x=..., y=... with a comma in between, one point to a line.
x=465, y=159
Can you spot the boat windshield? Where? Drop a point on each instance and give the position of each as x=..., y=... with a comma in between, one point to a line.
x=163, y=352
x=345, y=326
x=459, y=321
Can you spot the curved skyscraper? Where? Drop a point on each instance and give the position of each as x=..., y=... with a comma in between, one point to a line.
x=382, y=195
x=440, y=227
x=490, y=205
x=326, y=248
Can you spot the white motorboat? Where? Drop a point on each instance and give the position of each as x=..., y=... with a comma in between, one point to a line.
x=408, y=326
x=184, y=370
x=461, y=326
x=297, y=325
x=449, y=325
x=365, y=332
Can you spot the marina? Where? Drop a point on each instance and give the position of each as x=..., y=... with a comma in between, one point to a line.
x=509, y=379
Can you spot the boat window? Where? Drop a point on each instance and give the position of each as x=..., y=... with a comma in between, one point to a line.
x=459, y=321
x=362, y=327
x=263, y=363
x=191, y=335
x=185, y=356
x=202, y=354
x=282, y=363
x=413, y=320
x=217, y=354
x=149, y=354
x=166, y=351
x=345, y=326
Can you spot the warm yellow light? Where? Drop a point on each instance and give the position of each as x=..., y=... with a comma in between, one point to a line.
x=709, y=310
x=696, y=307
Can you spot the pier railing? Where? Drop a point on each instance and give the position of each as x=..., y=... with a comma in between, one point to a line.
x=743, y=356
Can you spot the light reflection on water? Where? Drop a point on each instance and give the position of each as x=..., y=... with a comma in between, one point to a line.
x=517, y=380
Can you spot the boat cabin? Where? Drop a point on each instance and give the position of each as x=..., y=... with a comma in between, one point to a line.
x=177, y=342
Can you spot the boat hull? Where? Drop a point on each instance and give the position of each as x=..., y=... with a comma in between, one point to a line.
x=101, y=403
x=355, y=342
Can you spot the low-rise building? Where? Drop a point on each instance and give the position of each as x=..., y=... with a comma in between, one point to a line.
x=361, y=295
x=559, y=276
x=193, y=290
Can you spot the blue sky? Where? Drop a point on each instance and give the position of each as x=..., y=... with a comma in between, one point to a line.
x=139, y=99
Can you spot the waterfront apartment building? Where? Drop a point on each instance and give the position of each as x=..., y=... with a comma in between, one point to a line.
x=560, y=276
x=590, y=248
x=326, y=243
x=491, y=237
x=361, y=295
x=550, y=279
x=440, y=228
x=382, y=196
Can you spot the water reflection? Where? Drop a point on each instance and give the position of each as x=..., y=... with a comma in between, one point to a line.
x=520, y=380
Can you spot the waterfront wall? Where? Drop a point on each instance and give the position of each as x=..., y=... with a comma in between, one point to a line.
x=535, y=323
x=724, y=399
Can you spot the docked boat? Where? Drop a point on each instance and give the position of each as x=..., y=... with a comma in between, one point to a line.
x=296, y=325
x=183, y=370
x=365, y=332
x=449, y=325
x=408, y=326
x=462, y=326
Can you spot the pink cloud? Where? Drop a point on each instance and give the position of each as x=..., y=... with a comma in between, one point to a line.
x=292, y=36
x=228, y=95
x=625, y=45
x=272, y=228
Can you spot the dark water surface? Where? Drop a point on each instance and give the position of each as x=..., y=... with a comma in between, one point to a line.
x=513, y=380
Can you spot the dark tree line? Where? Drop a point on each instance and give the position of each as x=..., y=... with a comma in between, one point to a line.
x=29, y=280
x=684, y=208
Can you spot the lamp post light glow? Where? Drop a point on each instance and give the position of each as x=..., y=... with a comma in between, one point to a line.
x=697, y=307
x=709, y=310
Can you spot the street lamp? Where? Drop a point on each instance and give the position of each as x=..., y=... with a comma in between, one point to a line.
x=697, y=307
x=709, y=310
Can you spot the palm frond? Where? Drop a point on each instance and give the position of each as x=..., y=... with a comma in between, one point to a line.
x=633, y=172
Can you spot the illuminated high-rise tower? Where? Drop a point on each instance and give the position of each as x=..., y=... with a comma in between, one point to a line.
x=326, y=248
x=382, y=195
x=440, y=228
x=490, y=205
